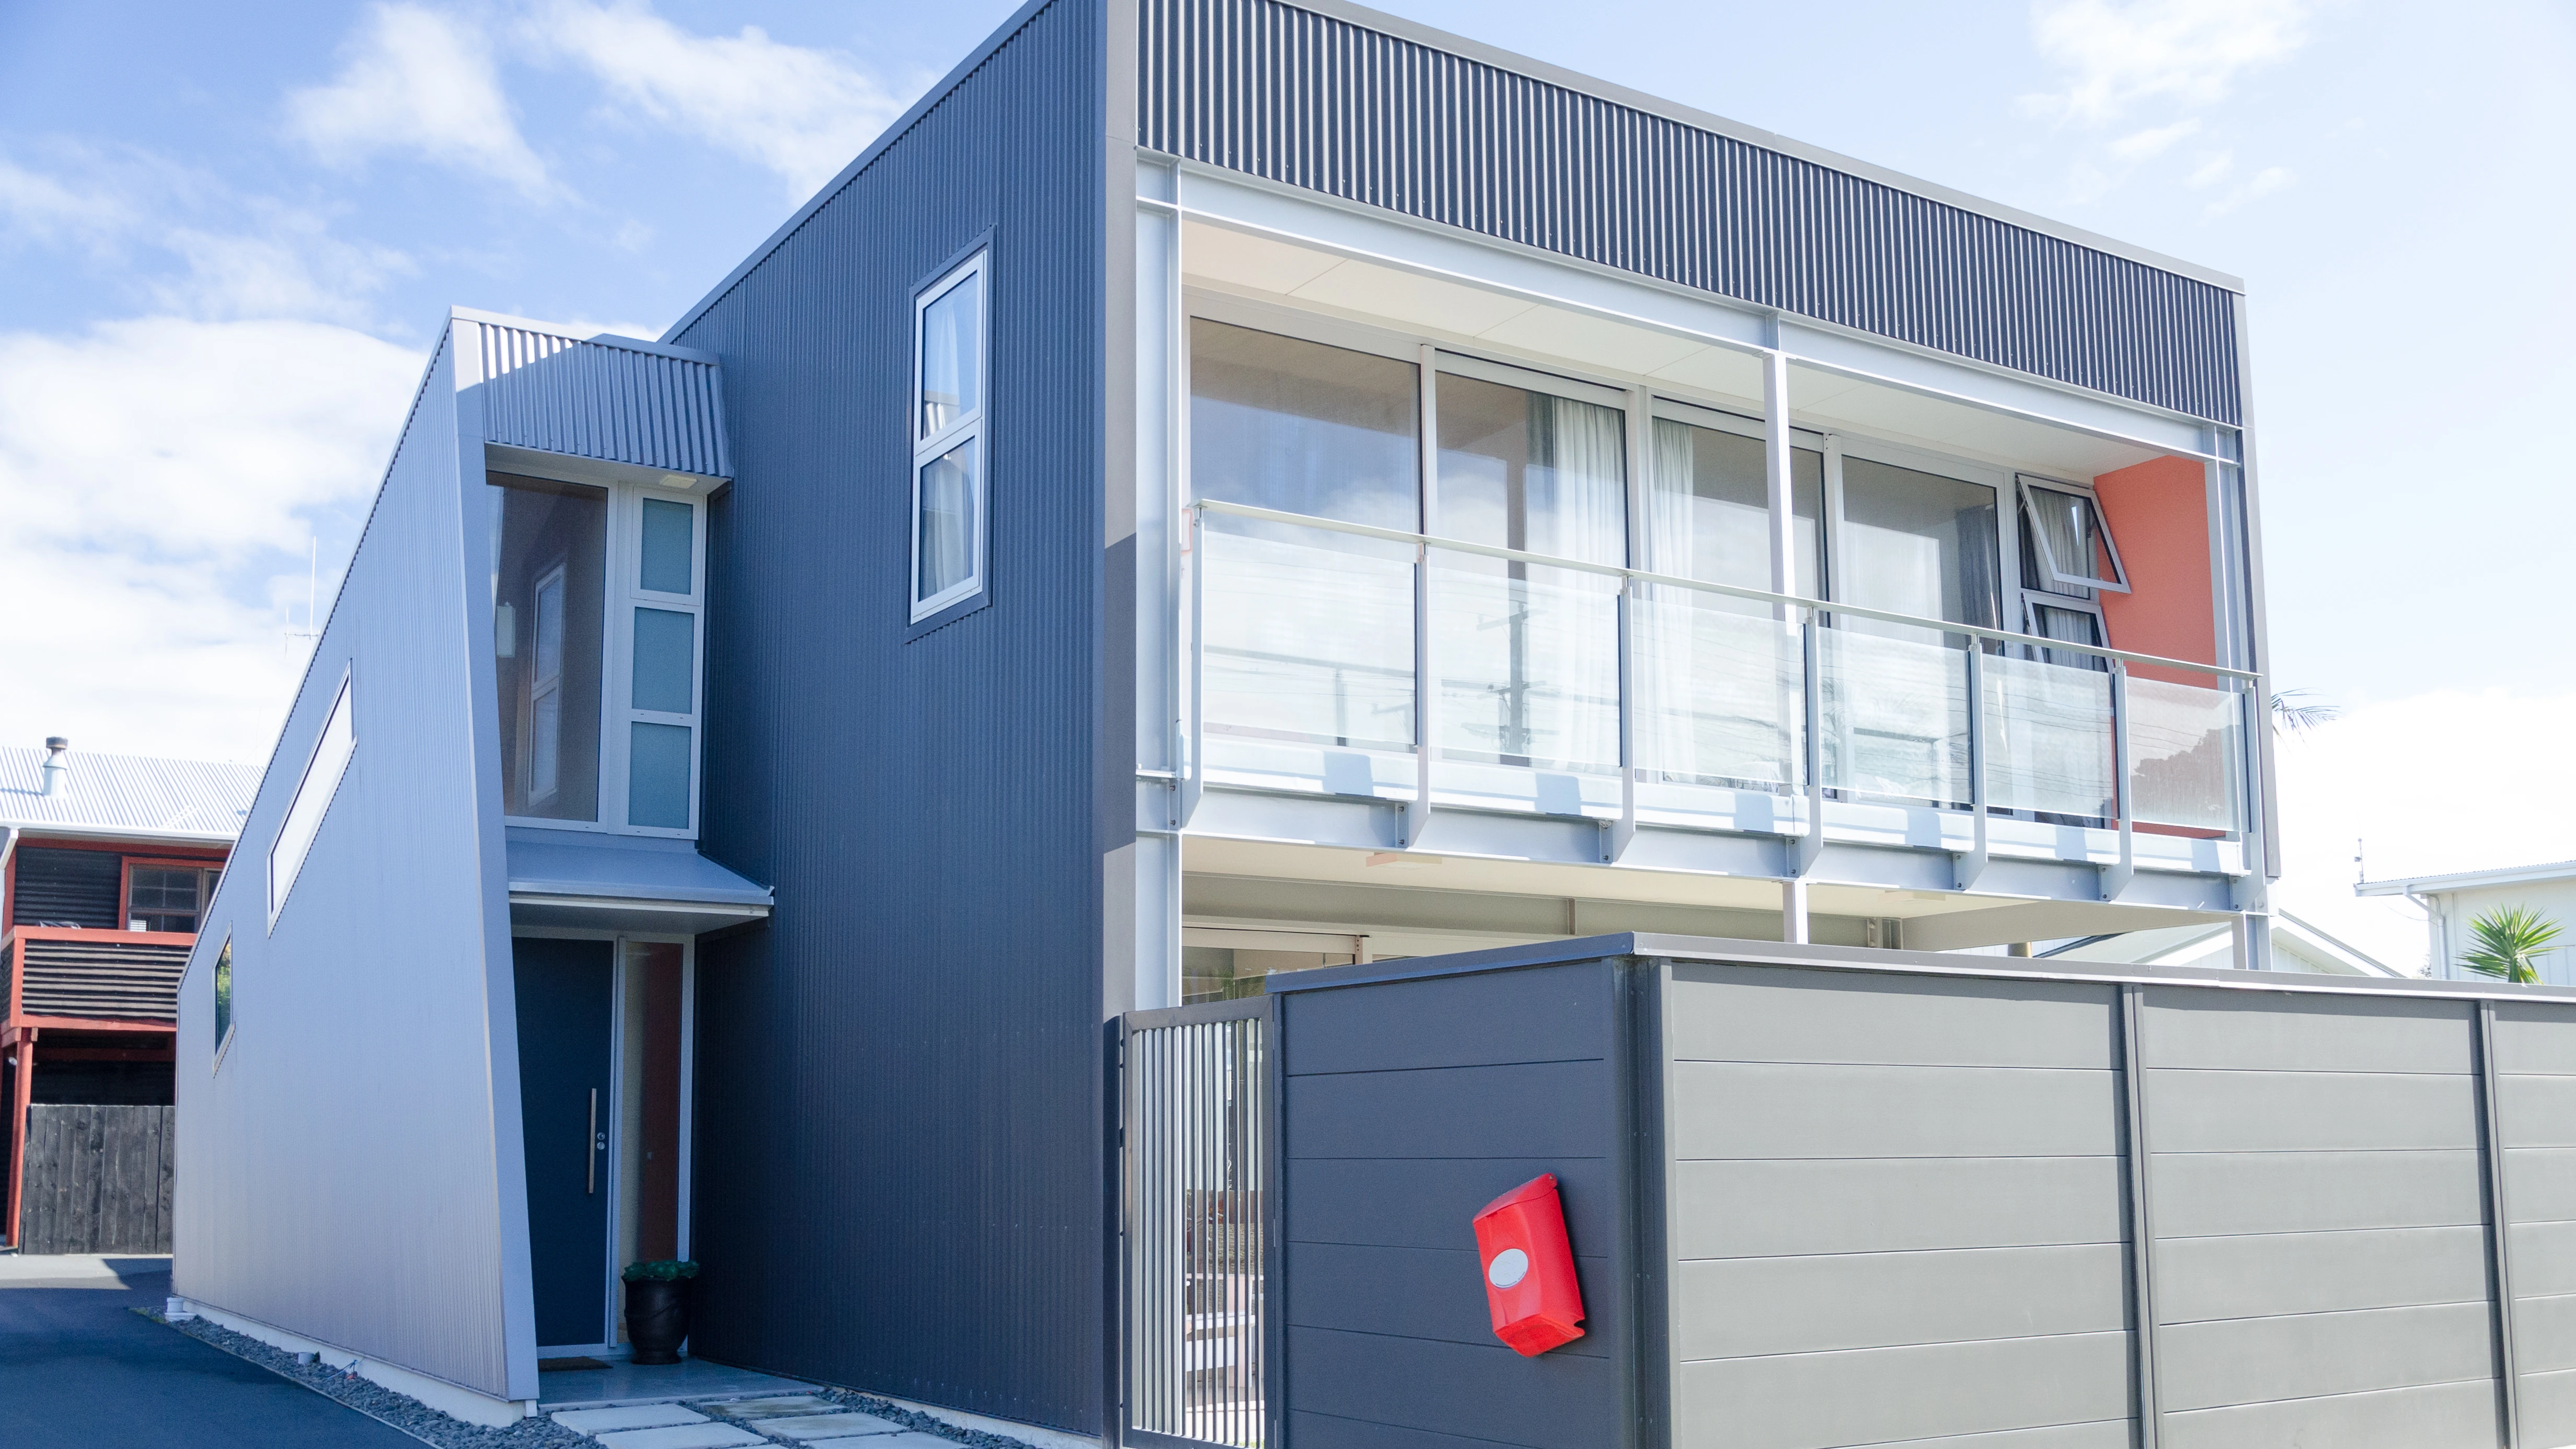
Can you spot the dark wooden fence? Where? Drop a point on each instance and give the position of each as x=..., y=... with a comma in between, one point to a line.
x=98, y=1179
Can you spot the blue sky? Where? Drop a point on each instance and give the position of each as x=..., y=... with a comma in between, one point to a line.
x=229, y=231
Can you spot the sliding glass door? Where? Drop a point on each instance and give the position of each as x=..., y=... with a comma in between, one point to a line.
x=1528, y=654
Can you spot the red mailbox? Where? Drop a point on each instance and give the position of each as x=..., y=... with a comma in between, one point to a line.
x=1529, y=1268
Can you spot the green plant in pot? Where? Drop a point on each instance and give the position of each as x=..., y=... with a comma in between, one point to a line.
x=657, y=1308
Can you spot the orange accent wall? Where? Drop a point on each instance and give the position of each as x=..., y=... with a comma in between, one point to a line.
x=2158, y=511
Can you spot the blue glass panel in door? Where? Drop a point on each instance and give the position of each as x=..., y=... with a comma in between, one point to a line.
x=564, y=995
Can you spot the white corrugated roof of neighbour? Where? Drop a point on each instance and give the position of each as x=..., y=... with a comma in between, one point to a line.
x=2555, y=870
x=127, y=796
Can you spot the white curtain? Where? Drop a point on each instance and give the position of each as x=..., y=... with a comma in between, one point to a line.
x=1717, y=679
x=2064, y=523
x=1666, y=741
x=1576, y=502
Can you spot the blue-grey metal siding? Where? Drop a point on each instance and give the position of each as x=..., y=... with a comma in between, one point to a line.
x=1310, y=100
x=608, y=398
x=899, y=1163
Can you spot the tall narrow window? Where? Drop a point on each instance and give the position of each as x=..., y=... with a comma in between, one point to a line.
x=1307, y=634
x=549, y=542
x=1529, y=654
x=1720, y=684
x=662, y=632
x=223, y=982
x=330, y=760
x=949, y=456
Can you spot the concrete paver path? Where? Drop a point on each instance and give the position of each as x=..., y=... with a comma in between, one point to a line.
x=77, y=1370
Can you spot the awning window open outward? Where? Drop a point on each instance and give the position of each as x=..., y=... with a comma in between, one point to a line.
x=2075, y=549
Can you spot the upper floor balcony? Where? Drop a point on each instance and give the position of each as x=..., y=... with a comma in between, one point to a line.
x=1498, y=571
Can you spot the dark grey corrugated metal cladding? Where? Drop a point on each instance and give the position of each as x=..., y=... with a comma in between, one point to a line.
x=899, y=1169
x=1315, y=101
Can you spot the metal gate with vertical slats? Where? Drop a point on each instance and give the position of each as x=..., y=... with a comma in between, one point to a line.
x=1201, y=1114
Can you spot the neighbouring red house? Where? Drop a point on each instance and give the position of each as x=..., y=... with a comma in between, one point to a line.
x=106, y=862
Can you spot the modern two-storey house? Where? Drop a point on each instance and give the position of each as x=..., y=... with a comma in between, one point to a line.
x=1221, y=488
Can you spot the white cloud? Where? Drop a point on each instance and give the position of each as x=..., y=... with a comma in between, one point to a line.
x=799, y=112
x=419, y=81
x=2154, y=141
x=2214, y=170
x=49, y=209
x=161, y=477
x=2116, y=55
x=2430, y=784
x=234, y=255
x=2262, y=183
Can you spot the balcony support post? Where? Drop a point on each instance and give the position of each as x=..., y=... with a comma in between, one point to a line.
x=1966, y=867
x=1193, y=777
x=2116, y=878
x=1807, y=847
x=1426, y=693
x=1641, y=465
x=1624, y=829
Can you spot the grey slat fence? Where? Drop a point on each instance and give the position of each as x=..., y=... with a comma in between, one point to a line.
x=97, y=1179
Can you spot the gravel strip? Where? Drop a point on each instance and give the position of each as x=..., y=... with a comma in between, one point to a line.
x=428, y=1425
x=377, y=1402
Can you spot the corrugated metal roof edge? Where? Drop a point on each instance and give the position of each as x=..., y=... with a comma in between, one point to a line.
x=1502, y=60
x=2504, y=875
x=885, y=140
x=600, y=339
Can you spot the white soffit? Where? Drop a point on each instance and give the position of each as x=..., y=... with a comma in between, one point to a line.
x=1889, y=412
x=1430, y=870
x=1239, y=261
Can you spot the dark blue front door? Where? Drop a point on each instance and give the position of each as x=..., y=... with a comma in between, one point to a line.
x=565, y=995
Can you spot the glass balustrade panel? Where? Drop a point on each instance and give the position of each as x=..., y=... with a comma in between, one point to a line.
x=1895, y=717
x=1720, y=691
x=1528, y=663
x=2186, y=748
x=1308, y=634
x=2048, y=738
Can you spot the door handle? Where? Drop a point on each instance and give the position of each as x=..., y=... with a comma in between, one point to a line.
x=590, y=1153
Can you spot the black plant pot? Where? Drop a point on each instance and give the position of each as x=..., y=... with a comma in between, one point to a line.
x=657, y=1318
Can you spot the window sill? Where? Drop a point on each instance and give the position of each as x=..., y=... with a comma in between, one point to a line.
x=932, y=623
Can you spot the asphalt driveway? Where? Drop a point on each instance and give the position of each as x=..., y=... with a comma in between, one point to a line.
x=77, y=1370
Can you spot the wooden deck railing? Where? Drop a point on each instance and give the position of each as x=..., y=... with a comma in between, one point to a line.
x=60, y=976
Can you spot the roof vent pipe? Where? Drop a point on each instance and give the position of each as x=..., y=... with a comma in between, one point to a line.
x=58, y=775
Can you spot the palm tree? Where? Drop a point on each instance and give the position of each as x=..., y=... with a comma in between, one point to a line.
x=2510, y=940
x=2290, y=717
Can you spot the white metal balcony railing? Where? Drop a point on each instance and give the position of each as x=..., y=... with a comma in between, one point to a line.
x=1314, y=629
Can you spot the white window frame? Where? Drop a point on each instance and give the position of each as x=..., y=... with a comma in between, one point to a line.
x=967, y=427
x=626, y=594
x=621, y=571
x=2027, y=483
x=222, y=965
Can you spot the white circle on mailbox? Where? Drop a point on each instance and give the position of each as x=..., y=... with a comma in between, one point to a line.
x=1509, y=1267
